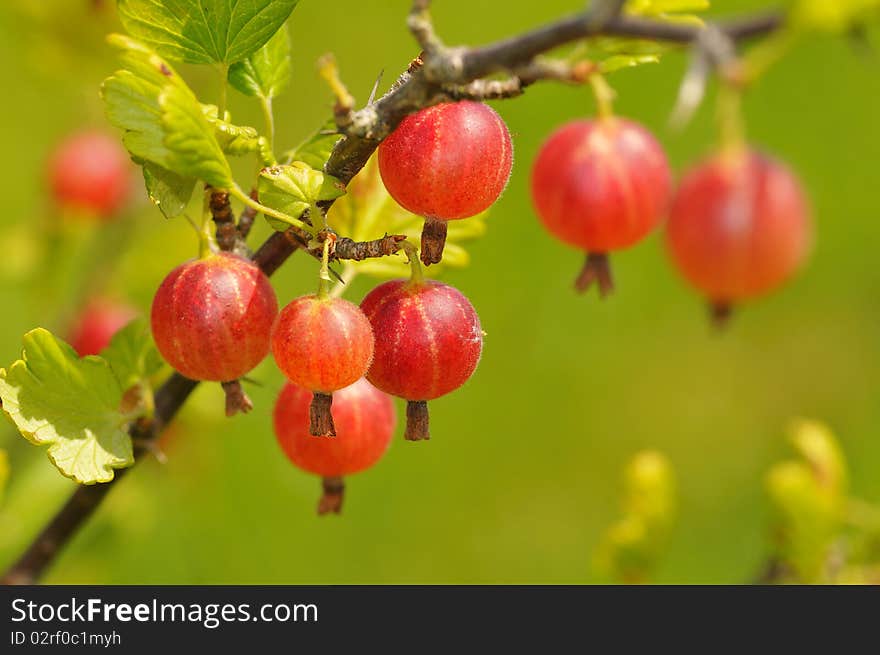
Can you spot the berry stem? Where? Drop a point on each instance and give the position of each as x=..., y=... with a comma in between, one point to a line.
x=334, y=494
x=597, y=268
x=730, y=121
x=417, y=275
x=324, y=275
x=417, y=423
x=320, y=418
x=236, y=399
x=604, y=95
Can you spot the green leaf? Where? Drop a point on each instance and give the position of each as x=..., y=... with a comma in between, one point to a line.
x=294, y=188
x=132, y=354
x=204, y=31
x=163, y=121
x=266, y=72
x=190, y=138
x=368, y=212
x=316, y=150
x=70, y=404
x=4, y=472
x=169, y=191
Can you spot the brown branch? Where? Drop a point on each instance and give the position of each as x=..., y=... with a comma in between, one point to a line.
x=427, y=82
x=246, y=220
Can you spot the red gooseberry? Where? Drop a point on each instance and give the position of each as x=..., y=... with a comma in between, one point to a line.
x=600, y=185
x=428, y=343
x=739, y=227
x=91, y=172
x=365, y=422
x=212, y=319
x=97, y=324
x=446, y=162
x=322, y=344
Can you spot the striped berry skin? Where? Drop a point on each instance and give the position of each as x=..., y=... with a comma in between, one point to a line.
x=601, y=185
x=97, y=325
x=322, y=344
x=212, y=318
x=428, y=338
x=739, y=227
x=448, y=161
x=428, y=343
x=90, y=171
x=365, y=422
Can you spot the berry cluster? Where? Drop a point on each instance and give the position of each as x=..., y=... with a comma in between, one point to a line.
x=215, y=318
x=738, y=227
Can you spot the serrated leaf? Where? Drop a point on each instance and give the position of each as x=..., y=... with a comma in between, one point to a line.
x=266, y=72
x=190, y=138
x=4, y=473
x=204, y=31
x=315, y=150
x=368, y=211
x=132, y=354
x=294, y=188
x=163, y=121
x=70, y=404
x=167, y=190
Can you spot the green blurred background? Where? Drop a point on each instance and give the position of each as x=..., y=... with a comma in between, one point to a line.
x=523, y=472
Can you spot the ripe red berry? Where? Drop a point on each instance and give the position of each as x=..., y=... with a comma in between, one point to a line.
x=212, y=318
x=446, y=162
x=600, y=185
x=91, y=172
x=739, y=227
x=98, y=323
x=428, y=343
x=365, y=421
x=322, y=344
